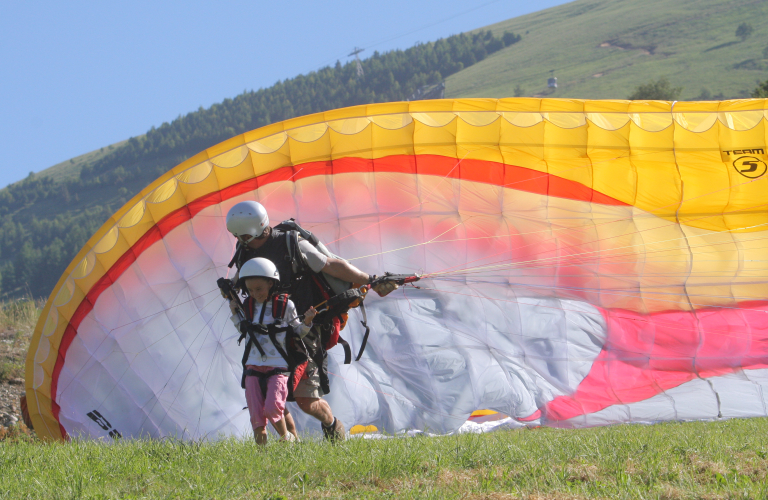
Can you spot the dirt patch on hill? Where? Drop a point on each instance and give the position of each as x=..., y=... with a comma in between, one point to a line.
x=648, y=50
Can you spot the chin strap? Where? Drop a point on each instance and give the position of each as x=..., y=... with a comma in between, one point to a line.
x=245, y=243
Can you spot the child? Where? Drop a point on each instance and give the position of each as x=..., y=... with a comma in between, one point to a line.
x=268, y=362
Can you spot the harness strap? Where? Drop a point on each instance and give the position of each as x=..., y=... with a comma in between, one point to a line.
x=279, y=306
x=297, y=258
x=272, y=337
x=367, y=331
x=264, y=377
x=263, y=310
x=271, y=330
x=347, y=350
x=291, y=250
x=249, y=306
x=236, y=256
x=247, y=353
x=247, y=310
x=364, y=343
x=254, y=340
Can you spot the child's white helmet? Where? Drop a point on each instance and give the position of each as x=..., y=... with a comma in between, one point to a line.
x=259, y=267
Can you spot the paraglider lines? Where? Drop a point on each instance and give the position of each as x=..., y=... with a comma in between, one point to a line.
x=597, y=313
x=74, y=377
x=491, y=266
x=205, y=327
x=601, y=255
x=407, y=209
x=548, y=230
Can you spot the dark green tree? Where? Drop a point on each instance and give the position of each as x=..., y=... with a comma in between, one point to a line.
x=509, y=38
x=744, y=31
x=659, y=90
x=761, y=90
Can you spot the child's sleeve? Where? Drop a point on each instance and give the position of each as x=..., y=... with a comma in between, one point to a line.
x=236, y=320
x=292, y=318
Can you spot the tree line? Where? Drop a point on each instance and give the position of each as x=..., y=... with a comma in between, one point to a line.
x=392, y=76
x=35, y=250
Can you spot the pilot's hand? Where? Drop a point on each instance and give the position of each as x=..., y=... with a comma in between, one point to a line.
x=310, y=315
x=224, y=284
x=233, y=306
x=385, y=288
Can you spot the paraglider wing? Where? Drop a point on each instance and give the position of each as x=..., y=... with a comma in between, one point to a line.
x=582, y=263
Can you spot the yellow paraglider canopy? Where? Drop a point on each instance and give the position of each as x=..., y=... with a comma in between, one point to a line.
x=691, y=168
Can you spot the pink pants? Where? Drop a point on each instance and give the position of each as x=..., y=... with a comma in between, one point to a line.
x=270, y=408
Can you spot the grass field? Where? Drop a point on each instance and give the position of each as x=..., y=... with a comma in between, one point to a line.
x=603, y=49
x=667, y=461
x=17, y=323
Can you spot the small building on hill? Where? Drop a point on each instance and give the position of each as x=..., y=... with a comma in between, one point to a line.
x=552, y=82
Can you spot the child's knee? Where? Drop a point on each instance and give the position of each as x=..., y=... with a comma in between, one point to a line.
x=260, y=434
x=273, y=413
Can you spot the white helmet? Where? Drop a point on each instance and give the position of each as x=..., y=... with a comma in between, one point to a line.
x=259, y=267
x=247, y=218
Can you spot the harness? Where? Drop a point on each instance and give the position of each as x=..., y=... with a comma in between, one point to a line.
x=264, y=377
x=295, y=356
x=276, y=250
x=307, y=288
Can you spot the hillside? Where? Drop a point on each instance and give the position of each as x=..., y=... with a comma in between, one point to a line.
x=602, y=49
x=70, y=169
x=597, y=49
x=46, y=218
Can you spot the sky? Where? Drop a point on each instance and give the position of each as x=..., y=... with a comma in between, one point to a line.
x=79, y=75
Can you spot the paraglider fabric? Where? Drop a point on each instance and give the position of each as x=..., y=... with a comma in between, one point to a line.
x=584, y=262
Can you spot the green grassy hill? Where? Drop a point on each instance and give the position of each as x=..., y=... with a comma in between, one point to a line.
x=70, y=169
x=603, y=49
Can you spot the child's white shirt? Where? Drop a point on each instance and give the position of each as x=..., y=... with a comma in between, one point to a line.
x=273, y=357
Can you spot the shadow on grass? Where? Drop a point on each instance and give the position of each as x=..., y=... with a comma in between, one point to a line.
x=722, y=46
x=752, y=64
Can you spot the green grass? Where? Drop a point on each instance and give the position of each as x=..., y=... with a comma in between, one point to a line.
x=19, y=315
x=17, y=324
x=692, y=42
x=11, y=369
x=692, y=460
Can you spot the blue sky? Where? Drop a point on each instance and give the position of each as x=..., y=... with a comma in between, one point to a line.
x=80, y=75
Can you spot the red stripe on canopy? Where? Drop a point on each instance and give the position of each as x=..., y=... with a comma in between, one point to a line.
x=482, y=171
